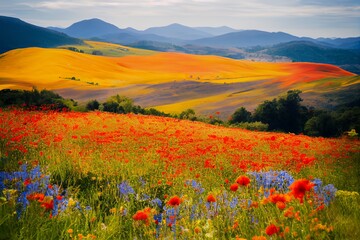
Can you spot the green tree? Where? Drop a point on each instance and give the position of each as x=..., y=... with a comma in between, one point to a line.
x=267, y=112
x=240, y=115
x=323, y=124
x=188, y=114
x=290, y=112
x=92, y=105
x=119, y=104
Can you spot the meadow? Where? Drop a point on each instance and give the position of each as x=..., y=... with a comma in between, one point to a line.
x=96, y=175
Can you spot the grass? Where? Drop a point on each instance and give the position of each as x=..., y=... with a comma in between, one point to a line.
x=109, y=49
x=113, y=171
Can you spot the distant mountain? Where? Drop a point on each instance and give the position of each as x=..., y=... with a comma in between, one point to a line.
x=16, y=33
x=89, y=28
x=178, y=31
x=216, y=31
x=127, y=38
x=311, y=52
x=344, y=43
x=246, y=38
x=158, y=46
x=301, y=51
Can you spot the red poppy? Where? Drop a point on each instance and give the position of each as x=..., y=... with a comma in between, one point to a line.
x=48, y=205
x=141, y=215
x=299, y=188
x=243, y=180
x=27, y=181
x=281, y=205
x=174, y=201
x=210, y=198
x=40, y=197
x=275, y=198
x=289, y=212
x=272, y=229
x=234, y=187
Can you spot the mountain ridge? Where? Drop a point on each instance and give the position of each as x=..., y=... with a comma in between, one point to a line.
x=19, y=34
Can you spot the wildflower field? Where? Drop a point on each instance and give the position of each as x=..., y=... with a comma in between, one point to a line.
x=71, y=175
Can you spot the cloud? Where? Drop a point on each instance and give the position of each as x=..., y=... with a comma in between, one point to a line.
x=283, y=15
x=265, y=8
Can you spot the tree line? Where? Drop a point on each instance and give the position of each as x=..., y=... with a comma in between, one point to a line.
x=286, y=114
x=283, y=114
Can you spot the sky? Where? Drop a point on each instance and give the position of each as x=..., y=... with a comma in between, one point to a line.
x=311, y=18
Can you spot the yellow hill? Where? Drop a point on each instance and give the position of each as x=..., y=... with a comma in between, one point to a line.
x=108, y=49
x=172, y=80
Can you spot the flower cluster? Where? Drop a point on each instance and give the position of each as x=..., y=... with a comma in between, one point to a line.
x=31, y=186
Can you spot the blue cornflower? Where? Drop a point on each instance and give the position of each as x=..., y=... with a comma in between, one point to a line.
x=156, y=202
x=125, y=189
x=234, y=202
x=145, y=197
x=158, y=220
x=323, y=194
x=329, y=193
x=196, y=186
x=280, y=180
x=35, y=172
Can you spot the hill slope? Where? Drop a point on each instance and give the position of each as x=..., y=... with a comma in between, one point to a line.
x=19, y=34
x=344, y=43
x=310, y=52
x=107, y=49
x=246, y=38
x=172, y=80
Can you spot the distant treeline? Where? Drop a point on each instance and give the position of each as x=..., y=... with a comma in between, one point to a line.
x=282, y=114
x=34, y=99
x=286, y=114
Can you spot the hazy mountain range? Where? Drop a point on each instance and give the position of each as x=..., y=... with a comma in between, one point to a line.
x=223, y=41
x=203, y=36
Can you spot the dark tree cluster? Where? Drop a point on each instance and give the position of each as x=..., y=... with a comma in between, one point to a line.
x=122, y=105
x=286, y=114
x=34, y=99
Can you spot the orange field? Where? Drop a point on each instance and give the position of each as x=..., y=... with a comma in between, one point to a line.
x=161, y=80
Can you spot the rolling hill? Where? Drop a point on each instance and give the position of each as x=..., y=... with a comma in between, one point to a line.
x=302, y=51
x=246, y=38
x=19, y=34
x=106, y=49
x=170, y=81
x=129, y=38
x=344, y=43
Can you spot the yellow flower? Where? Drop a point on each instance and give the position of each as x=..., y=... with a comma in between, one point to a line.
x=71, y=202
x=70, y=231
x=113, y=210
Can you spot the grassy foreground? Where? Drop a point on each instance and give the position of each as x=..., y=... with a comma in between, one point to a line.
x=67, y=175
